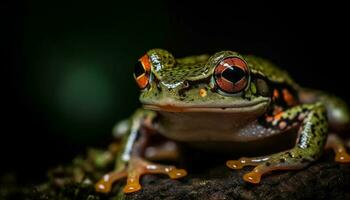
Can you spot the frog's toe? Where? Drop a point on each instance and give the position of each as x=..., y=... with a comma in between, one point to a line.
x=177, y=173
x=130, y=188
x=342, y=157
x=234, y=164
x=252, y=177
x=133, y=182
x=335, y=143
x=104, y=185
x=244, y=161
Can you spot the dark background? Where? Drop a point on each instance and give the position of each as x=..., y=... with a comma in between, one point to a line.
x=68, y=66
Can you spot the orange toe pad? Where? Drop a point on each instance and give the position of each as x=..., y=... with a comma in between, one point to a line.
x=234, y=164
x=177, y=173
x=252, y=177
x=342, y=157
x=130, y=188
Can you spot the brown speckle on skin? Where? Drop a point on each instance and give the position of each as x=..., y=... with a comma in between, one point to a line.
x=269, y=119
x=282, y=125
x=289, y=154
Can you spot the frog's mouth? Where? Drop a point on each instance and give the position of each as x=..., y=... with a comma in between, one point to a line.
x=209, y=121
x=239, y=108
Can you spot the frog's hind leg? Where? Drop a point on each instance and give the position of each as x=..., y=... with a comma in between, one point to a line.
x=308, y=148
x=335, y=143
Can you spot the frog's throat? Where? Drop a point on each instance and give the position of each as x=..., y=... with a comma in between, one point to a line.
x=250, y=107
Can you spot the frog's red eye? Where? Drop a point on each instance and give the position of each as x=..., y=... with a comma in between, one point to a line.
x=142, y=71
x=231, y=75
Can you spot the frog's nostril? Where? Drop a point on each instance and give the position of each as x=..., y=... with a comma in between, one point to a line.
x=186, y=84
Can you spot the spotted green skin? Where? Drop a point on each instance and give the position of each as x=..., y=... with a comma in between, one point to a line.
x=312, y=137
x=178, y=82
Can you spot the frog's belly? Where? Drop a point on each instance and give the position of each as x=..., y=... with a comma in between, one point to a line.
x=212, y=127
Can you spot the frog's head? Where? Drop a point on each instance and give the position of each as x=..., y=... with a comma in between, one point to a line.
x=222, y=82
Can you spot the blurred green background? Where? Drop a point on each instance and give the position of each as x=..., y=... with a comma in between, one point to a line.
x=80, y=62
x=68, y=68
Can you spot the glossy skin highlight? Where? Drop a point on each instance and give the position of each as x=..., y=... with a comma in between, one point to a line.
x=224, y=97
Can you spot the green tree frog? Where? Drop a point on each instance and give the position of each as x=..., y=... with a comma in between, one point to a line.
x=223, y=101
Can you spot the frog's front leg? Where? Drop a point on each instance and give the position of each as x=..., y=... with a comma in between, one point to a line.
x=309, y=145
x=131, y=163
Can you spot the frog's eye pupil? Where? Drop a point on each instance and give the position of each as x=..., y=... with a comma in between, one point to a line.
x=231, y=75
x=138, y=69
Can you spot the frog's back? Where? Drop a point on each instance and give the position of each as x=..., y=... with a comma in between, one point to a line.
x=267, y=69
x=257, y=65
x=202, y=66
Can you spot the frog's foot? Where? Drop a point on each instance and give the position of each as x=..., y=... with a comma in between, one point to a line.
x=263, y=166
x=335, y=143
x=287, y=160
x=255, y=175
x=136, y=168
x=244, y=161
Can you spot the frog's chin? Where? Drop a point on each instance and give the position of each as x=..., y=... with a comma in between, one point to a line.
x=243, y=108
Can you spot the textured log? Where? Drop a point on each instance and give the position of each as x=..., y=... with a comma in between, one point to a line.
x=324, y=179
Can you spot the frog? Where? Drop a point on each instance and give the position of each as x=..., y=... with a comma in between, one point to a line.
x=224, y=98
